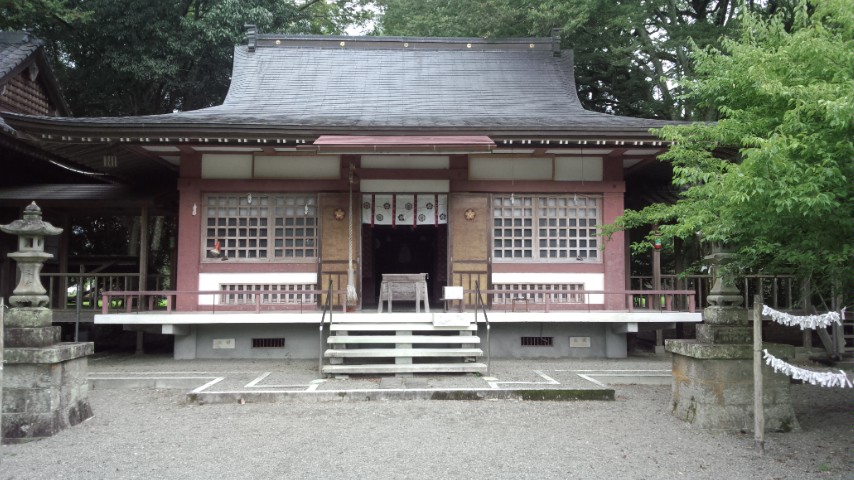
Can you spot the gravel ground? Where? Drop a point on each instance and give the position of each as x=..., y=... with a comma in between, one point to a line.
x=157, y=434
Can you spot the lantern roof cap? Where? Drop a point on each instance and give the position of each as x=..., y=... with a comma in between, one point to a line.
x=31, y=224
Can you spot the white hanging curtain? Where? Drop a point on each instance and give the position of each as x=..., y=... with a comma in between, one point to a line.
x=404, y=209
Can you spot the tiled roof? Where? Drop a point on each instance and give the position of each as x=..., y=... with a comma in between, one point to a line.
x=15, y=48
x=375, y=83
x=20, y=49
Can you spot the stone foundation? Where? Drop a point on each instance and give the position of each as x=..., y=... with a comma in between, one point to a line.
x=45, y=390
x=713, y=387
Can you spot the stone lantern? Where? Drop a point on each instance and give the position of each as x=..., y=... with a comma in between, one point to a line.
x=45, y=380
x=30, y=256
x=713, y=374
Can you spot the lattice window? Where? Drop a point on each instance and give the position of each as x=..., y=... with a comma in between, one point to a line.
x=513, y=221
x=565, y=227
x=261, y=227
x=560, y=293
x=242, y=294
x=296, y=232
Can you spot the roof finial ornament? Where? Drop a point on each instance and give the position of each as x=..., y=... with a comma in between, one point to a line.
x=556, y=42
x=251, y=36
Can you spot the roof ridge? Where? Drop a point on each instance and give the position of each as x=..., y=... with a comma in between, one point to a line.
x=383, y=38
x=254, y=38
x=19, y=37
x=402, y=43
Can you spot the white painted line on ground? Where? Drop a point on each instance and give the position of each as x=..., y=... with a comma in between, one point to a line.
x=549, y=381
x=602, y=370
x=260, y=377
x=314, y=385
x=171, y=373
x=254, y=383
x=592, y=380
x=548, y=378
x=149, y=378
x=208, y=385
x=361, y=390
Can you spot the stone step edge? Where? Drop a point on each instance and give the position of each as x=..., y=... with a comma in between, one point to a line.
x=402, y=352
x=387, y=327
x=406, y=368
x=411, y=339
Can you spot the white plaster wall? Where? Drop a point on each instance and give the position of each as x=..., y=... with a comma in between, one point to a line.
x=314, y=167
x=226, y=165
x=591, y=281
x=578, y=169
x=492, y=168
x=436, y=162
x=405, y=186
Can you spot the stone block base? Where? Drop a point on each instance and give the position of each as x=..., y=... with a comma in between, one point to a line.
x=28, y=317
x=31, y=337
x=719, y=334
x=736, y=316
x=45, y=391
x=715, y=391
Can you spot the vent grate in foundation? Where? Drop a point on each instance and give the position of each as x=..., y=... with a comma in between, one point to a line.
x=268, y=342
x=537, y=341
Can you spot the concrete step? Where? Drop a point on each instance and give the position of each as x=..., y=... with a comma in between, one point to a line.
x=385, y=318
x=412, y=339
x=388, y=327
x=403, y=352
x=473, y=367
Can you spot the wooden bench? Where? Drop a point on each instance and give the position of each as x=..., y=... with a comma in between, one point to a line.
x=404, y=286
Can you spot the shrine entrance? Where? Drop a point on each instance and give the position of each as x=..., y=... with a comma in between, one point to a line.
x=416, y=241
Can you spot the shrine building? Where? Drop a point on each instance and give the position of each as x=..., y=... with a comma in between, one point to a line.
x=339, y=162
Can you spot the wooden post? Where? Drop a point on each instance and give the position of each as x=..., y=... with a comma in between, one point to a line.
x=143, y=269
x=656, y=285
x=758, y=405
x=2, y=311
x=805, y=301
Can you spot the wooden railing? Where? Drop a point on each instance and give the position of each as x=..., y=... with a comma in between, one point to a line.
x=782, y=292
x=211, y=301
x=63, y=288
x=546, y=300
x=522, y=300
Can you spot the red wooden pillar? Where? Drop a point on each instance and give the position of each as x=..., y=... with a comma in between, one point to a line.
x=190, y=211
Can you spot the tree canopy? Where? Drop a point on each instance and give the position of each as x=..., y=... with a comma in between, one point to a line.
x=127, y=57
x=628, y=54
x=773, y=177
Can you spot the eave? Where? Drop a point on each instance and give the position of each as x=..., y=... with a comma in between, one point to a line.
x=79, y=130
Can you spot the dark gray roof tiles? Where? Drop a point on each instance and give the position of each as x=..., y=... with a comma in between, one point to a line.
x=15, y=48
x=320, y=85
x=17, y=51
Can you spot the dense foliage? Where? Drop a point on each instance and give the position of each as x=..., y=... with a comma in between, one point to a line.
x=774, y=177
x=130, y=57
x=628, y=54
